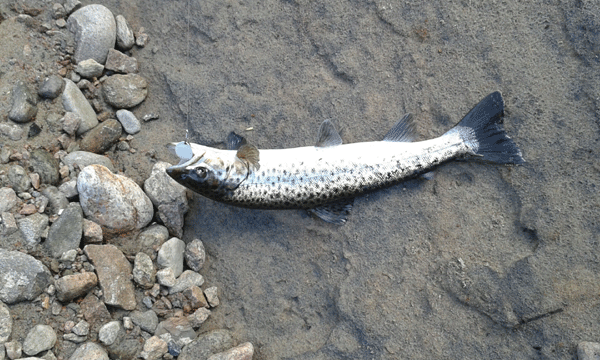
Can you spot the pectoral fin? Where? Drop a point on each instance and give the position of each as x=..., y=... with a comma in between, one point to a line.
x=249, y=154
x=335, y=212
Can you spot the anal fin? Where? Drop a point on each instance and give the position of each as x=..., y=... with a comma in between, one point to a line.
x=335, y=212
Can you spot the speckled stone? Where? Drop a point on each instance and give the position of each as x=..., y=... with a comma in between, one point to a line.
x=125, y=91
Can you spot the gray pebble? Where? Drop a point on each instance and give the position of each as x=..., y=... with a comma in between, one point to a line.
x=89, y=351
x=154, y=348
x=125, y=91
x=57, y=201
x=45, y=165
x=74, y=338
x=9, y=225
x=51, y=87
x=40, y=338
x=165, y=277
x=32, y=227
x=198, y=317
x=5, y=323
x=150, y=117
x=12, y=131
x=71, y=5
x=108, y=332
x=125, y=38
x=178, y=327
x=8, y=199
x=65, y=233
x=82, y=328
x=18, y=178
x=127, y=323
x=171, y=255
x=69, y=188
x=89, y=69
x=13, y=349
x=24, y=106
x=144, y=273
x=187, y=279
x=95, y=32
x=211, y=296
x=195, y=254
x=240, y=352
x=85, y=158
x=74, y=101
x=130, y=123
x=70, y=122
x=119, y=62
x=69, y=255
x=147, y=300
x=22, y=277
x=4, y=154
x=207, y=344
x=141, y=38
x=152, y=237
x=147, y=321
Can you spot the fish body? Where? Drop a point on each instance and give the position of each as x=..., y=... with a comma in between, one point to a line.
x=327, y=177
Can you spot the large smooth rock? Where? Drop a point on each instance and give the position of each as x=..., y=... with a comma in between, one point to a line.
x=74, y=101
x=95, y=32
x=22, y=277
x=24, y=106
x=113, y=201
x=125, y=91
x=40, y=338
x=73, y=286
x=85, y=158
x=46, y=165
x=102, y=137
x=114, y=275
x=65, y=233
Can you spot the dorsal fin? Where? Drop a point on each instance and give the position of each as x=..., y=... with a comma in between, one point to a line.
x=250, y=154
x=328, y=135
x=234, y=141
x=403, y=131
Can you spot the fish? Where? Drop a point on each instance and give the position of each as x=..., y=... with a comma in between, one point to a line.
x=326, y=178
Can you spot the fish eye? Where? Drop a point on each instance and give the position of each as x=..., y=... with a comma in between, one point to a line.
x=201, y=172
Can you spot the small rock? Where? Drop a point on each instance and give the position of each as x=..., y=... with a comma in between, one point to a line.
x=198, y=317
x=195, y=254
x=95, y=32
x=119, y=62
x=152, y=238
x=8, y=199
x=109, y=332
x=71, y=5
x=9, y=225
x=5, y=323
x=207, y=344
x=141, y=38
x=114, y=274
x=58, y=11
x=75, y=338
x=69, y=189
x=65, y=233
x=178, y=327
x=4, y=154
x=89, y=69
x=127, y=323
x=70, y=122
x=150, y=117
x=125, y=38
x=89, y=351
x=51, y=87
x=102, y=137
x=82, y=328
x=34, y=130
x=240, y=352
x=13, y=349
x=18, y=179
x=74, y=101
x=130, y=123
x=187, y=279
x=73, y=286
x=165, y=277
x=43, y=163
x=35, y=180
x=171, y=255
x=69, y=255
x=32, y=227
x=196, y=297
x=147, y=321
x=125, y=91
x=211, y=296
x=57, y=200
x=14, y=132
x=40, y=338
x=28, y=209
x=94, y=310
x=92, y=232
x=61, y=23
x=24, y=106
x=129, y=208
x=144, y=273
x=84, y=158
x=154, y=348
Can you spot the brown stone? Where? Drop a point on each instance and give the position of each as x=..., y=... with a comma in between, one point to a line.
x=195, y=296
x=73, y=286
x=94, y=310
x=92, y=232
x=102, y=137
x=119, y=62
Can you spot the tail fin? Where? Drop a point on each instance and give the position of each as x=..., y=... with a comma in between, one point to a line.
x=483, y=132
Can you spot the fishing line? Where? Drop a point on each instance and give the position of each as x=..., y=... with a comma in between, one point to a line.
x=187, y=92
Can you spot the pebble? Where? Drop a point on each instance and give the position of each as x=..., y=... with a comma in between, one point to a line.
x=125, y=38
x=95, y=32
x=28, y=209
x=127, y=323
x=150, y=117
x=129, y=208
x=71, y=5
x=84, y=158
x=74, y=101
x=89, y=351
x=130, y=123
x=125, y=91
x=178, y=327
x=211, y=296
x=13, y=349
x=22, y=277
x=8, y=199
x=588, y=350
x=61, y=23
x=187, y=279
x=92, y=232
x=38, y=339
x=165, y=277
x=82, y=328
x=207, y=344
x=89, y=69
x=144, y=273
x=32, y=227
x=70, y=122
x=171, y=255
x=195, y=256
x=56, y=199
x=35, y=180
x=51, y=87
x=9, y=225
x=119, y=62
x=65, y=233
x=198, y=317
x=5, y=323
x=147, y=321
x=73, y=286
x=94, y=310
x=24, y=106
x=108, y=332
x=151, y=238
x=12, y=131
x=154, y=348
x=240, y=352
x=195, y=296
x=74, y=338
x=69, y=189
x=18, y=178
x=69, y=255
x=141, y=38
x=34, y=130
x=4, y=154
x=102, y=137
x=44, y=164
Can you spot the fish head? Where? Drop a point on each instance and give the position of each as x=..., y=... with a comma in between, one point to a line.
x=206, y=170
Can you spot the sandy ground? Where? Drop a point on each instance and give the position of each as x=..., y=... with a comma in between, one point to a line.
x=483, y=261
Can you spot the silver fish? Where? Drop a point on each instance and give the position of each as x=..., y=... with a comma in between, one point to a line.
x=327, y=177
